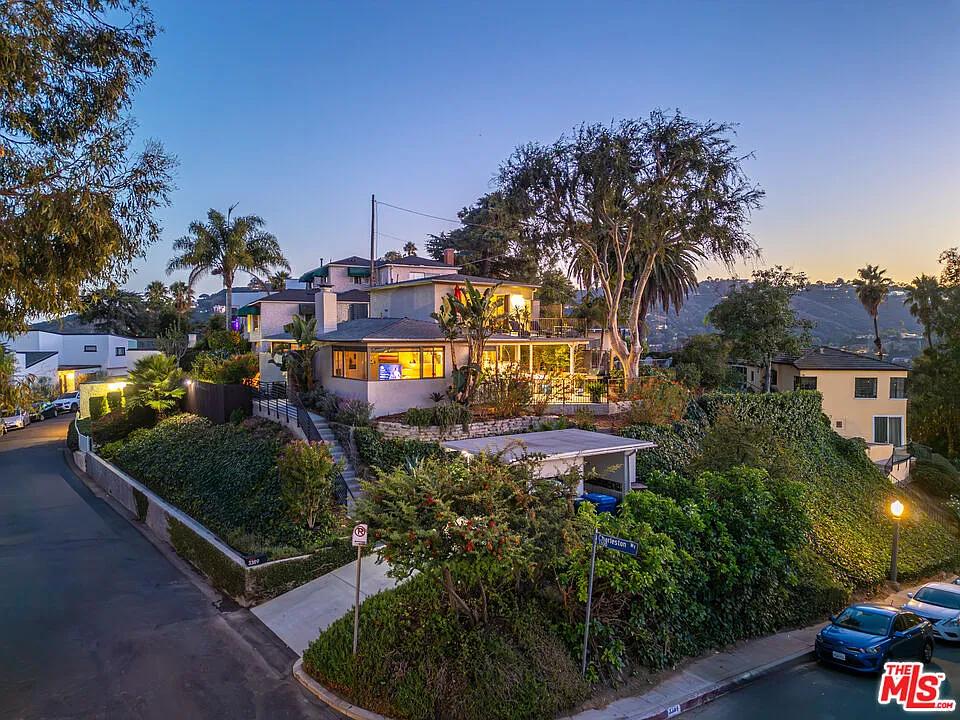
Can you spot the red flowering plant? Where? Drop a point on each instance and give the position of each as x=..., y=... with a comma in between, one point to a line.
x=477, y=525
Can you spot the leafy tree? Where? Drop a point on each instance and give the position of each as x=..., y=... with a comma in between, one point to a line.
x=757, y=320
x=704, y=361
x=115, y=311
x=489, y=244
x=224, y=247
x=923, y=299
x=307, y=473
x=409, y=248
x=950, y=275
x=76, y=203
x=156, y=381
x=392, y=256
x=592, y=310
x=620, y=199
x=182, y=295
x=467, y=316
x=555, y=288
x=474, y=527
x=172, y=342
x=872, y=289
x=304, y=332
x=934, y=392
x=15, y=392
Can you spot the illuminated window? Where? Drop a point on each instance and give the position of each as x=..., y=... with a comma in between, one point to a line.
x=348, y=363
x=402, y=363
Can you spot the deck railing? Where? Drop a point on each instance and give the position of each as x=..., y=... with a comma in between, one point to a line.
x=554, y=389
x=562, y=327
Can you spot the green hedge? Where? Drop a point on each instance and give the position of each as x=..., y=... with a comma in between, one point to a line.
x=98, y=407
x=223, y=572
x=267, y=581
x=73, y=439
x=385, y=454
x=224, y=476
x=417, y=662
x=118, y=424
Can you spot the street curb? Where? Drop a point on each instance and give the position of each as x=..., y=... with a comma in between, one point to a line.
x=335, y=701
x=724, y=687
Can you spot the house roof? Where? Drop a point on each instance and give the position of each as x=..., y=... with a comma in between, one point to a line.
x=279, y=337
x=828, y=358
x=414, y=260
x=294, y=295
x=32, y=358
x=551, y=444
x=353, y=296
x=383, y=329
x=76, y=367
x=453, y=279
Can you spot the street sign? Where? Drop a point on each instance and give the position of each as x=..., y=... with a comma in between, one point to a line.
x=360, y=536
x=614, y=543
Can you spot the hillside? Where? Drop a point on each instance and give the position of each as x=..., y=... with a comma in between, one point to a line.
x=839, y=318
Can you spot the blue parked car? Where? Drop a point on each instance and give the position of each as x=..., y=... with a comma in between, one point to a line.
x=865, y=636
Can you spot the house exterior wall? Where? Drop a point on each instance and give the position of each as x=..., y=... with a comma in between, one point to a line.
x=389, y=274
x=416, y=302
x=337, y=277
x=274, y=315
x=45, y=368
x=854, y=414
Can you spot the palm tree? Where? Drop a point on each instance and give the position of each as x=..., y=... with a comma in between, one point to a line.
x=410, y=248
x=224, y=247
x=923, y=299
x=872, y=288
x=304, y=332
x=156, y=383
x=182, y=297
x=278, y=281
x=156, y=294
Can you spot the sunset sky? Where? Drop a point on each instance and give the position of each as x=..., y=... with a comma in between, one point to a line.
x=298, y=111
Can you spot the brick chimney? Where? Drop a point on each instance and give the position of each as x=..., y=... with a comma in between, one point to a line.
x=449, y=256
x=325, y=302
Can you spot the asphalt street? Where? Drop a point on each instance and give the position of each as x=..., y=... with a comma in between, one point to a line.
x=818, y=692
x=99, y=623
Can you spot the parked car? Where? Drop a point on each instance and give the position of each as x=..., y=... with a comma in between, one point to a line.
x=43, y=410
x=17, y=419
x=939, y=603
x=68, y=402
x=865, y=636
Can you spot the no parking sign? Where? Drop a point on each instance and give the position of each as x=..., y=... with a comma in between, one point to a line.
x=359, y=535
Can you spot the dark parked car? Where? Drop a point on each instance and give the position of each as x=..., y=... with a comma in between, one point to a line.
x=865, y=636
x=43, y=411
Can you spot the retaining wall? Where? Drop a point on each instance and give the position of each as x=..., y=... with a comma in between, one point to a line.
x=486, y=428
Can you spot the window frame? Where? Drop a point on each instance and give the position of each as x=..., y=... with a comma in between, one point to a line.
x=120, y=351
x=370, y=350
x=798, y=382
x=90, y=348
x=876, y=388
x=903, y=426
x=903, y=384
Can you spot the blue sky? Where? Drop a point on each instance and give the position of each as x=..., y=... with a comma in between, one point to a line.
x=299, y=111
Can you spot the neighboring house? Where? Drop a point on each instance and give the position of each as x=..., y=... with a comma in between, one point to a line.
x=353, y=273
x=67, y=358
x=398, y=358
x=863, y=397
x=216, y=303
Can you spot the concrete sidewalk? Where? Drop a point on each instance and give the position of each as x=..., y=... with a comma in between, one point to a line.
x=710, y=677
x=297, y=617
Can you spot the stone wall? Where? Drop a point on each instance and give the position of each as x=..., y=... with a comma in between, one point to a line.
x=458, y=432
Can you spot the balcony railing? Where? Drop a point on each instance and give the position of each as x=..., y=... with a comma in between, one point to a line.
x=553, y=389
x=564, y=327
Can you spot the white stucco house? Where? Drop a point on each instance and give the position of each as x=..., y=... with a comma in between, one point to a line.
x=67, y=358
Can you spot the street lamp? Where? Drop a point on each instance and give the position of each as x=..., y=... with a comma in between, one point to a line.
x=896, y=509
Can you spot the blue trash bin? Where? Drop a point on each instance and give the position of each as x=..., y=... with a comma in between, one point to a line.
x=603, y=502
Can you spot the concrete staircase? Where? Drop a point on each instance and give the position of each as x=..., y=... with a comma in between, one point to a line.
x=349, y=472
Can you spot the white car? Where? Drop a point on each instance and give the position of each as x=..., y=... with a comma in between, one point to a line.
x=938, y=602
x=18, y=419
x=68, y=402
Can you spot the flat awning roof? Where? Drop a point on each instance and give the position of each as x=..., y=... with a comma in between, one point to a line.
x=552, y=444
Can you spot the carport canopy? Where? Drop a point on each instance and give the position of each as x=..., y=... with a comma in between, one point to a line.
x=551, y=444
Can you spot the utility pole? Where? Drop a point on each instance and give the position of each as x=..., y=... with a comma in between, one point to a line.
x=373, y=240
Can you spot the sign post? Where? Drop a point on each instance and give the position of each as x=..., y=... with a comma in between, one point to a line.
x=359, y=539
x=613, y=543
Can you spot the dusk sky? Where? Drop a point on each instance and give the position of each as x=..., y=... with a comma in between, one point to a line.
x=298, y=111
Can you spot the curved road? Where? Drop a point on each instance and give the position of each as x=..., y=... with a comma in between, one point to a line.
x=826, y=693
x=98, y=623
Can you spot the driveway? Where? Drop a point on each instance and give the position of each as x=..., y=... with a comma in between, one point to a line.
x=98, y=623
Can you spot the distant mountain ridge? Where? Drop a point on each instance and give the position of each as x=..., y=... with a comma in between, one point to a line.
x=839, y=318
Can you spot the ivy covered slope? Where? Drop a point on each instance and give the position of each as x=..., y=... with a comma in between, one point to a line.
x=224, y=476
x=845, y=496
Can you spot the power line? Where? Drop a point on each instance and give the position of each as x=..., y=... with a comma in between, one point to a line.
x=437, y=217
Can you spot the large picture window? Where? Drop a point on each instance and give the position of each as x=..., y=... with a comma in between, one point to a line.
x=865, y=387
x=388, y=363
x=350, y=363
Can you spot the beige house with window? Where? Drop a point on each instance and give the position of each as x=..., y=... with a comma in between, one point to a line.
x=863, y=397
x=397, y=358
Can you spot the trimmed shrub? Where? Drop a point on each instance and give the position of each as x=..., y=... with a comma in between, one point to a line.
x=115, y=400
x=222, y=571
x=238, y=415
x=444, y=416
x=384, y=454
x=117, y=424
x=224, y=476
x=937, y=476
x=73, y=440
x=418, y=661
x=98, y=407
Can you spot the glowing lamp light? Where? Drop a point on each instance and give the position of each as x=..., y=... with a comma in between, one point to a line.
x=116, y=386
x=896, y=509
